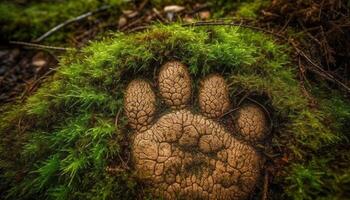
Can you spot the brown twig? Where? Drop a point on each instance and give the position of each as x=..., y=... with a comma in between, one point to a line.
x=264, y=195
x=308, y=33
x=124, y=164
x=320, y=71
x=117, y=118
x=35, y=83
x=138, y=28
x=159, y=15
x=131, y=24
x=39, y=46
x=142, y=5
x=285, y=25
x=228, y=112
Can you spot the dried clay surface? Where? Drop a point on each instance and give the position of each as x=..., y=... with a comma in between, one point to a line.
x=182, y=155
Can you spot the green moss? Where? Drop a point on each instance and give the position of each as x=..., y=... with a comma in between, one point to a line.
x=250, y=9
x=326, y=172
x=61, y=141
x=247, y=9
x=29, y=21
x=317, y=179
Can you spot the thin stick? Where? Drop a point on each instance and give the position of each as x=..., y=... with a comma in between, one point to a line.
x=228, y=112
x=264, y=195
x=80, y=17
x=36, y=82
x=285, y=25
x=124, y=164
x=325, y=73
x=117, y=118
x=40, y=46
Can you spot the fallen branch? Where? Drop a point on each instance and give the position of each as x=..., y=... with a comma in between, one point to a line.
x=76, y=19
x=39, y=46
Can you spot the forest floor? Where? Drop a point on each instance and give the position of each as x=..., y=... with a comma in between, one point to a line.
x=318, y=32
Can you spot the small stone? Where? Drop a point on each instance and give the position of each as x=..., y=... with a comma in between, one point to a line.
x=39, y=60
x=122, y=21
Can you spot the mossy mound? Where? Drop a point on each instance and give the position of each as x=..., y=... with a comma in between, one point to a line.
x=63, y=142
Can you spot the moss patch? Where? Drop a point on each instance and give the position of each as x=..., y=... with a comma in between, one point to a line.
x=324, y=173
x=29, y=21
x=250, y=9
x=62, y=143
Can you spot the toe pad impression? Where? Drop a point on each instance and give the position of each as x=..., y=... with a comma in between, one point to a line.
x=251, y=123
x=214, y=98
x=174, y=84
x=140, y=105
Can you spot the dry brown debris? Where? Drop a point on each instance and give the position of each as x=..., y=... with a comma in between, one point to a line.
x=325, y=25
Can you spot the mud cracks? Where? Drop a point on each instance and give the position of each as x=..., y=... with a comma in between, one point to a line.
x=183, y=155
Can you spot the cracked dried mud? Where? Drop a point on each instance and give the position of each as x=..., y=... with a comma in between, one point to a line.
x=187, y=155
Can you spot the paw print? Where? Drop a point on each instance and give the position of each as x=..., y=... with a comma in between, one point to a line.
x=187, y=155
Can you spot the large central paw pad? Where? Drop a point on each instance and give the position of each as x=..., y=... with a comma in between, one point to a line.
x=183, y=155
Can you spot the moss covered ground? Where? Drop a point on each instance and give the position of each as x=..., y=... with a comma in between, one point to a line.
x=247, y=9
x=63, y=143
x=28, y=20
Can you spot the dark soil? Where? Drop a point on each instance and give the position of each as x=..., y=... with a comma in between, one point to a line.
x=21, y=72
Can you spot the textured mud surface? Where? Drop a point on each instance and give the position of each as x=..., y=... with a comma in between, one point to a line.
x=183, y=155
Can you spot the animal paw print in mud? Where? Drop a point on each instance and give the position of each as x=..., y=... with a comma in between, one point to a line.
x=185, y=155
